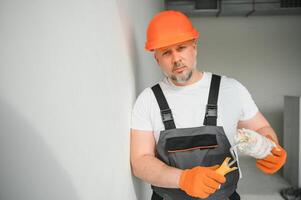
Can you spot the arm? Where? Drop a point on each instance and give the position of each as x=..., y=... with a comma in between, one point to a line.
x=146, y=166
x=273, y=162
x=197, y=182
x=259, y=124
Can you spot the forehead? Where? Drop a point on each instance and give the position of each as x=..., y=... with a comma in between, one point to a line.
x=189, y=42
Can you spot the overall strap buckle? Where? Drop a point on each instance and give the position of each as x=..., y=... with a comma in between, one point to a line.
x=166, y=115
x=211, y=110
x=165, y=111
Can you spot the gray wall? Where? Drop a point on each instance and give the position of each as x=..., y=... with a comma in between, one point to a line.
x=291, y=140
x=262, y=52
x=67, y=85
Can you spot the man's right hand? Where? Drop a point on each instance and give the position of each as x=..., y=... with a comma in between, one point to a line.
x=200, y=181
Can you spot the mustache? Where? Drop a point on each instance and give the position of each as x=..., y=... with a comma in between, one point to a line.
x=177, y=65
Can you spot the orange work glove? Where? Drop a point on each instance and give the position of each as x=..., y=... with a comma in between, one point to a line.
x=272, y=163
x=200, y=181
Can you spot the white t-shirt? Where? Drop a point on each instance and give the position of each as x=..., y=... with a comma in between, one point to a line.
x=188, y=106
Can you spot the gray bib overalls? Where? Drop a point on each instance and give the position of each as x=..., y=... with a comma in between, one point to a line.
x=185, y=148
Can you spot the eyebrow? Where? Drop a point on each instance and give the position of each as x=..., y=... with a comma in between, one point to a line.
x=182, y=44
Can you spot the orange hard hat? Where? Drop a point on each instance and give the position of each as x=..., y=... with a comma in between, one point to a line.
x=168, y=28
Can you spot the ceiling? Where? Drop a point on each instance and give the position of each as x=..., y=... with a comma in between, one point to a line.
x=235, y=7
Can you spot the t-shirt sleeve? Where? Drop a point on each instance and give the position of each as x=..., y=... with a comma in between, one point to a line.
x=248, y=106
x=141, y=113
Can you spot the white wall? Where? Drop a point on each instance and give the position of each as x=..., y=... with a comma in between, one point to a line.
x=262, y=52
x=67, y=84
x=135, y=15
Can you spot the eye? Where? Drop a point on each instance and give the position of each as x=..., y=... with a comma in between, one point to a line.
x=181, y=48
x=166, y=53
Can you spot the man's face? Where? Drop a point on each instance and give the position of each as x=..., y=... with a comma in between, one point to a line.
x=178, y=61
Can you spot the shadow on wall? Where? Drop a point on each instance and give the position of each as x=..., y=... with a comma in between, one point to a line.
x=138, y=188
x=143, y=190
x=133, y=51
x=131, y=43
x=28, y=169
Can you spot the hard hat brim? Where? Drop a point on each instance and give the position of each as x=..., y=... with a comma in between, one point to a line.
x=167, y=41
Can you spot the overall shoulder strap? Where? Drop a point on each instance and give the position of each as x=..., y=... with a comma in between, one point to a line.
x=166, y=113
x=211, y=109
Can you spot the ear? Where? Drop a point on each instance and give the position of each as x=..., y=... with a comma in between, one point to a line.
x=195, y=43
x=156, y=57
x=195, y=46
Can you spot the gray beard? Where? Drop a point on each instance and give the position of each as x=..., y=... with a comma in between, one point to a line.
x=182, y=78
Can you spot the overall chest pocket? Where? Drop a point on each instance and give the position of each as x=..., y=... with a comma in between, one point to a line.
x=189, y=151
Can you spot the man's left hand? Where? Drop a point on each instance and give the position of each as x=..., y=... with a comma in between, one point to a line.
x=272, y=163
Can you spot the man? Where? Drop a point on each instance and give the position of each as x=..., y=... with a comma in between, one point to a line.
x=178, y=138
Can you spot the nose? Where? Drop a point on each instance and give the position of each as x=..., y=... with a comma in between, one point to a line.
x=176, y=57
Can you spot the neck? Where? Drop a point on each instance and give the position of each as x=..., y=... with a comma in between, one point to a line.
x=196, y=76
